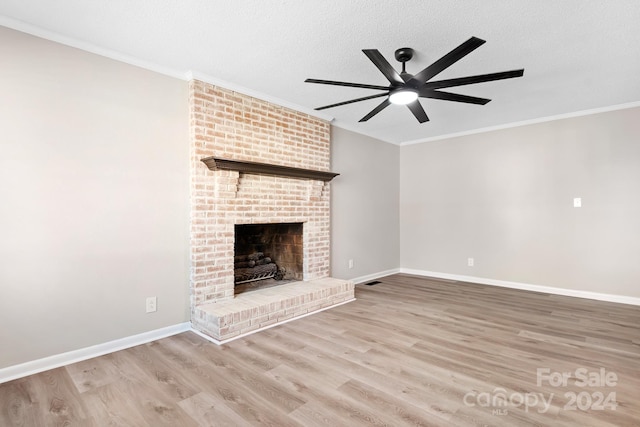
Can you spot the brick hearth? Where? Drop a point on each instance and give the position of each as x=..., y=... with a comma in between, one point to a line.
x=258, y=309
x=230, y=125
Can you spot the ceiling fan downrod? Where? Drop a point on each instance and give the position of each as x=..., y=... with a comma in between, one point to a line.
x=403, y=55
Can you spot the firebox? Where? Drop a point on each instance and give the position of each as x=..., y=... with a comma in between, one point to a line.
x=267, y=251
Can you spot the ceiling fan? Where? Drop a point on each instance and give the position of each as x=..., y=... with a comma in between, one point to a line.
x=405, y=88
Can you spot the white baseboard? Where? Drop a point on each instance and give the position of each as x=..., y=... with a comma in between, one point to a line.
x=40, y=365
x=622, y=299
x=33, y=367
x=11, y=373
x=374, y=276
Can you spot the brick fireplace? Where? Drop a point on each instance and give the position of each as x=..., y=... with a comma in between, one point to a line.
x=234, y=126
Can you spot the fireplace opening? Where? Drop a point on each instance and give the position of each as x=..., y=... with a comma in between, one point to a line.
x=267, y=255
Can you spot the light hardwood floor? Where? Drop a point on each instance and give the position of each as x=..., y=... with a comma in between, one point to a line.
x=409, y=351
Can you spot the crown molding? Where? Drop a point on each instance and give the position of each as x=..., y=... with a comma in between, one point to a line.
x=190, y=75
x=53, y=36
x=23, y=27
x=355, y=129
x=526, y=122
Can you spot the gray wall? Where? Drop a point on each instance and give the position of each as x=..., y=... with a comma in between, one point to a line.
x=505, y=198
x=93, y=199
x=364, y=205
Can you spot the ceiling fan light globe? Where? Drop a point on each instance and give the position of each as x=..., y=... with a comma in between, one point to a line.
x=403, y=97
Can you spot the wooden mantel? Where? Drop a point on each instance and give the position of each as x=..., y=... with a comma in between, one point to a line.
x=215, y=163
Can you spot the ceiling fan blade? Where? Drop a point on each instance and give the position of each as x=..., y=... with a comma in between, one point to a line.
x=446, y=61
x=418, y=111
x=352, y=101
x=474, y=79
x=384, y=104
x=360, y=85
x=383, y=65
x=448, y=96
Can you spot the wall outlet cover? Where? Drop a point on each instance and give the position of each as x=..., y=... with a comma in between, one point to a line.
x=152, y=304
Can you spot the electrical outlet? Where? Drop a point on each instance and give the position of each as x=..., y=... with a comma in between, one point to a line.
x=470, y=262
x=350, y=263
x=577, y=202
x=152, y=304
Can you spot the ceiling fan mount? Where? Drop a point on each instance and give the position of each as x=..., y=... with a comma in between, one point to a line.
x=404, y=54
x=405, y=88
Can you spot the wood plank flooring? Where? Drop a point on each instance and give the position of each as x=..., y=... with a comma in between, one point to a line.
x=410, y=351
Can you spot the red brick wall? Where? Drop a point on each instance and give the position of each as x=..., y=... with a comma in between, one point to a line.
x=231, y=125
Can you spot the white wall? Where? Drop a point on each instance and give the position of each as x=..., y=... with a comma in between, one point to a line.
x=505, y=198
x=364, y=205
x=93, y=199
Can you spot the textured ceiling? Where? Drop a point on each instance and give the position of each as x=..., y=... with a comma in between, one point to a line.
x=578, y=55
